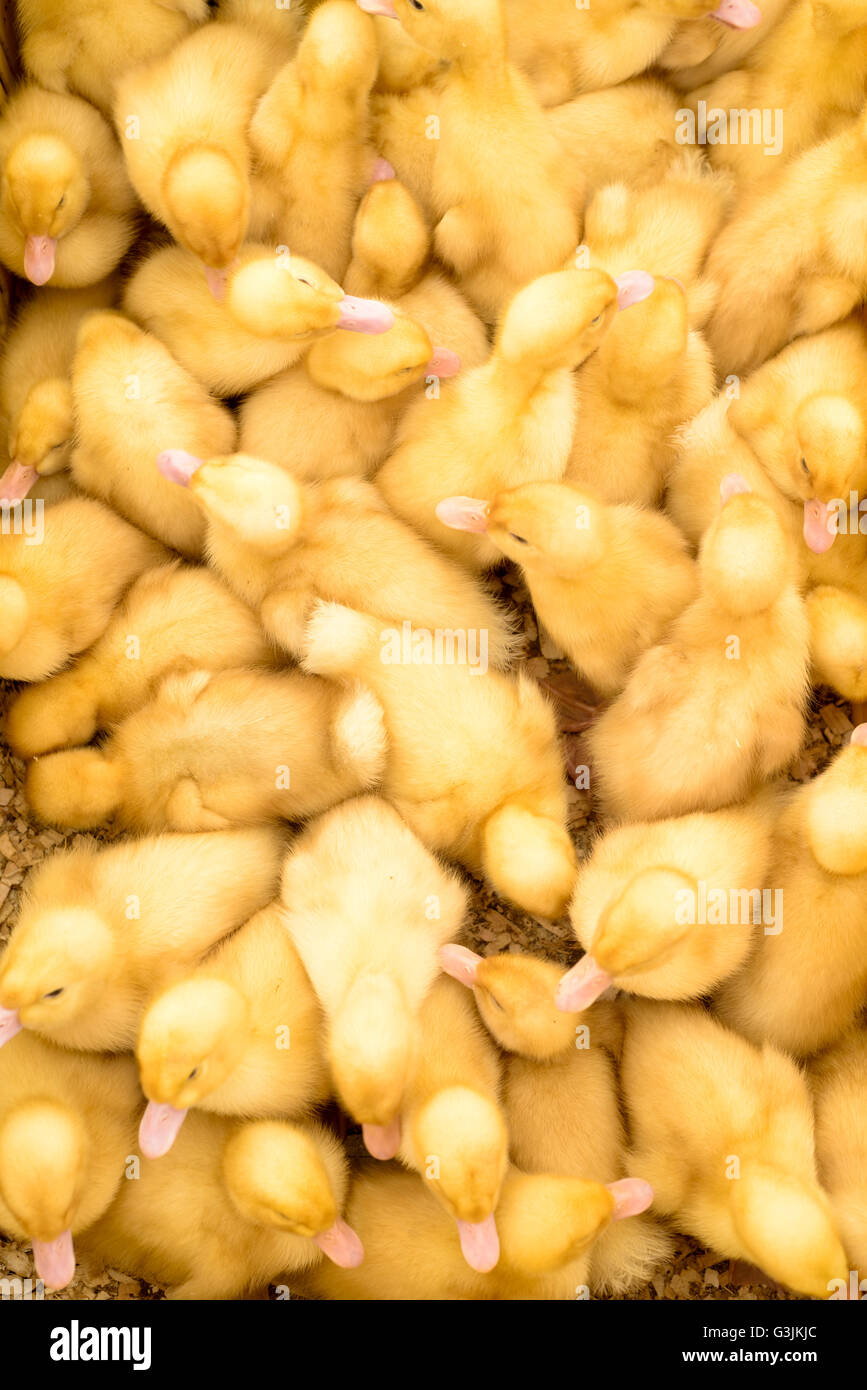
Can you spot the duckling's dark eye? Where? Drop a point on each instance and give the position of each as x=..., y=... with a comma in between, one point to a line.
x=193, y=1074
x=598, y=319
x=495, y=1001
x=416, y=4
x=302, y=281
x=53, y=994
x=519, y=539
x=62, y=201
x=805, y=466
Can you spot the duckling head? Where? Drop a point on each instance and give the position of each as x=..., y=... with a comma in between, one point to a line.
x=646, y=347
x=745, y=560
x=558, y=320
x=543, y=527
x=374, y=369
x=829, y=461
x=371, y=1047
x=208, y=201
x=462, y=1137
x=640, y=930
x=515, y=997
x=46, y=192
x=546, y=1221
x=43, y=1170
x=838, y=634
x=836, y=810
x=14, y=613
x=53, y=971
x=788, y=1229
x=284, y=296
x=390, y=239
x=41, y=437
x=260, y=502
x=192, y=1038
x=338, y=57
x=278, y=1178
x=77, y=789
x=452, y=29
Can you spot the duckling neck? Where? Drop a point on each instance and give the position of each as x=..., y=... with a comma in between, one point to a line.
x=520, y=382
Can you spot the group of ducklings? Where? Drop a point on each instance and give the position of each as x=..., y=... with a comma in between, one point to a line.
x=340, y=306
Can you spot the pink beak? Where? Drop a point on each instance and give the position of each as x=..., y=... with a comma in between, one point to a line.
x=480, y=1244
x=378, y=7
x=159, y=1128
x=631, y=1196
x=382, y=171
x=341, y=1245
x=10, y=1024
x=737, y=14
x=633, y=286
x=55, y=1260
x=443, y=364
x=581, y=986
x=39, y=253
x=464, y=514
x=382, y=1141
x=364, y=316
x=17, y=482
x=820, y=526
x=177, y=466
x=459, y=962
x=217, y=282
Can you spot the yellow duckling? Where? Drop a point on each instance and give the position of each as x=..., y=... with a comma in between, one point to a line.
x=234, y=1206
x=184, y=120
x=803, y=986
x=701, y=49
x=367, y=907
x=473, y=763
x=505, y=204
x=240, y=1035
x=565, y=51
x=281, y=544
x=35, y=390
x=512, y=420
x=336, y=413
x=723, y=1131
x=66, y=205
x=718, y=706
x=670, y=909
x=101, y=929
x=216, y=749
x=811, y=69
x=606, y=581
x=453, y=1129
x=62, y=573
x=789, y=261
x=838, y=639
x=67, y=1129
x=85, y=46
x=282, y=296
x=514, y=995
x=131, y=400
x=311, y=139
x=174, y=618
x=629, y=130
x=839, y=1084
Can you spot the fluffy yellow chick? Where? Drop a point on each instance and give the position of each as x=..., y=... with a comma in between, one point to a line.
x=66, y=205
x=174, y=618
x=101, y=929
x=281, y=544
x=131, y=400
x=67, y=1128
x=234, y=1206
x=310, y=135
x=791, y=261
x=336, y=413
x=454, y=1132
x=277, y=295
x=85, y=46
x=839, y=1084
x=240, y=1035
x=606, y=581
x=514, y=995
x=213, y=750
x=723, y=1132
x=804, y=985
x=627, y=132
x=701, y=49
x=367, y=906
x=505, y=203
x=183, y=120
x=473, y=762
x=510, y=421
x=811, y=69
x=63, y=571
x=838, y=639
x=671, y=909
x=804, y=415
x=35, y=390
x=718, y=706
x=566, y=49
